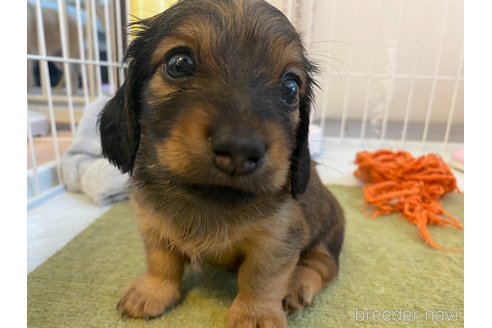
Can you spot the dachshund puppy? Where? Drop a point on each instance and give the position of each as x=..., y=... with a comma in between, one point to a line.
x=212, y=123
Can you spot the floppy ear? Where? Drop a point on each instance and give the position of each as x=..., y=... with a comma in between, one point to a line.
x=119, y=127
x=301, y=160
x=119, y=120
x=300, y=167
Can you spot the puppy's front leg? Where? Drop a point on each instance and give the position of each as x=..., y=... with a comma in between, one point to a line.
x=262, y=281
x=160, y=287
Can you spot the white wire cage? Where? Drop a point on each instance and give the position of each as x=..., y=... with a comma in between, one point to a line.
x=75, y=54
x=391, y=72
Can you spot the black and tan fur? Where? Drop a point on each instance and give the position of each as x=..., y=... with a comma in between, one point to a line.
x=278, y=226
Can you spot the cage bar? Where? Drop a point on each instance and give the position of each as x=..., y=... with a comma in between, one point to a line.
x=83, y=66
x=34, y=169
x=62, y=20
x=119, y=38
x=310, y=27
x=95, y=40
x=109, y=50
x=74, y=60
x=46, y=80
x=370, y=76
x=348, y=77
x=324, y=103
x=457, y=83
x=436, y=73
x=413, y=77
x=290, y=10
x=392, y=79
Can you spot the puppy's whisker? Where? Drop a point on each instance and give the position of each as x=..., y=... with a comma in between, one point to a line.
x=332, y=168
x=334, y=58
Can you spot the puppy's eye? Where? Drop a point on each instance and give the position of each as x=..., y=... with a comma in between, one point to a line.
x=179, y=65
x=290, y=90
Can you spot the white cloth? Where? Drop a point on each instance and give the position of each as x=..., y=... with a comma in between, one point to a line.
x=85, y=170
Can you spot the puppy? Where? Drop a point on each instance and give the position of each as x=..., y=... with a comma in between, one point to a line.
x=212, y=123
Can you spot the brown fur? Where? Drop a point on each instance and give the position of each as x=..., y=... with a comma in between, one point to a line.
x=278, y=226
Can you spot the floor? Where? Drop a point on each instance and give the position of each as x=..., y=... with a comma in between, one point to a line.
x=55, y=222
x=52, y=225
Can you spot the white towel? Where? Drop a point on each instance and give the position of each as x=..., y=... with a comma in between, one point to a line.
x=85, y=170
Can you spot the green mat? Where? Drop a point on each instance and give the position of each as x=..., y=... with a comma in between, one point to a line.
x=385, y=266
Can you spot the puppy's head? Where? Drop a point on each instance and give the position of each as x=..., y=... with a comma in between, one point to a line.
x=221, y=91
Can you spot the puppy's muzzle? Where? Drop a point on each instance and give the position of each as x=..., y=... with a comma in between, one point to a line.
x=237, y=153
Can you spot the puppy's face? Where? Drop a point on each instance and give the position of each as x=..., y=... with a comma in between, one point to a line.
x=221, y=91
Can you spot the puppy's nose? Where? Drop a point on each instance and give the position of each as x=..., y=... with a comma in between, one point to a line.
x=237, y=154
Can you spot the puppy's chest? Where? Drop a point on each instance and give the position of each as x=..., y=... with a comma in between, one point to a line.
x=206, y=238
x=212, y=235
x=200, y=244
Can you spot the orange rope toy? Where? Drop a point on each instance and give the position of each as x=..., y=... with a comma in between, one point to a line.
x=398, y=182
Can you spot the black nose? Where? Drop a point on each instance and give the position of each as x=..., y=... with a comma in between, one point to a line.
x=237, y=154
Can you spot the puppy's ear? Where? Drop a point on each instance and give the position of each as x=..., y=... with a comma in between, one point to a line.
x=119, y=127
x=300, y=168
x=301, y=159
x=119, y=120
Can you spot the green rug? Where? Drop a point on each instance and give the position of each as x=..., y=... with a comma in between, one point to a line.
x=385, y=266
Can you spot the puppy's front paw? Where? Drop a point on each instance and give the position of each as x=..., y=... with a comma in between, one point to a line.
x=242, y=315
x=148, y=297
x=302, y=289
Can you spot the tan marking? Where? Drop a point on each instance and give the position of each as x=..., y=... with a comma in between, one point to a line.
x=278, y=156
x=187, y=142
x=157, y=289
x=315, y=270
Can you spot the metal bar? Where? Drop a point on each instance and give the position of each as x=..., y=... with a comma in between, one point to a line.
x=95, y=40
x=83, y=66
x=109, y=50
x=349, y=79
x=56, y=98
x=371, y=70
x=119, y=37
x=90, y=50
x=310, y=28
x=73, y=60
x=62, y=20
x=47, y=81
x=128, y=21
x=44, y=87
x=391, y=86
x=290, y=10
x=324, y=102
x=33, y=157
x=436, y=72
x=453, y=99
x=413, y=77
